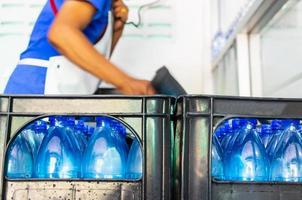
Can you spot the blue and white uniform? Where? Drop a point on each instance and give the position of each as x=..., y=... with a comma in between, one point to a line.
x=31, y=74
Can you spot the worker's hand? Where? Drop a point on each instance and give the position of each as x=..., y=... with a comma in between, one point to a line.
x=137, y=87
x=120, y=12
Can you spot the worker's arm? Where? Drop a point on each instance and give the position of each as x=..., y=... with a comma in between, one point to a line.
x=116, y=36
x=120, y=12
x=67, y=37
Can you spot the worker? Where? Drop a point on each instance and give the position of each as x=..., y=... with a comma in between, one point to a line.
x=69, y=51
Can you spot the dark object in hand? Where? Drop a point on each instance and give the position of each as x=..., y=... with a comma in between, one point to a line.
x=165, y=83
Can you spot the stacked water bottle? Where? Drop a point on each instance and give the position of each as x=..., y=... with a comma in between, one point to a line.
x=247, y=150
x=65, y=148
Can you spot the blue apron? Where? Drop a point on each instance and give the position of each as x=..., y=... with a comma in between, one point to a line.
x=29, y=76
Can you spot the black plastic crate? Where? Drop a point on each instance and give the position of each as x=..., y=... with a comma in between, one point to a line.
x=149, y=117
x=196, y=118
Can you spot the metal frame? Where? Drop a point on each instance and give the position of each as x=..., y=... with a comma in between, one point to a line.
x=213, y=110
x=24, y=126
x=156, y=180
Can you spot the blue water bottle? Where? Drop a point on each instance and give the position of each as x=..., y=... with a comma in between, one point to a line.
x=243, y=125
x=28, y=135
x=59, y=155
x=247, y=161
x=40, y=128
x=88, y=131
x=135, y=161
x=287, y=159
x=219, y=132
x=217, y=159
x=119, y=132
x=80, y=135
x=122, y=134
x=266, y=134
x=228, y=129
x=277, y=130
x=230, y=138
x=102, y=158
x=69, y=129
x=19, y=159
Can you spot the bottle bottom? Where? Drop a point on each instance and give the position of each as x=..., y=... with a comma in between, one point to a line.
x=65, y=175
x=134, y=176
x=103, y=176
x=19, y=175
